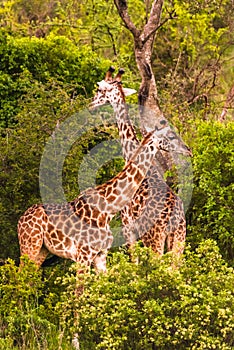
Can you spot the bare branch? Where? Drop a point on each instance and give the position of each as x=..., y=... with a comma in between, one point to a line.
x=147, y=6
x=154, y=20
x=171, y=16
x=122, y=8
x=112, y=40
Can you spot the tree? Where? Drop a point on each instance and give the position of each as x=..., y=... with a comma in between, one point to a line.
x=198, y=35
x=149, y=108
x=143, y=47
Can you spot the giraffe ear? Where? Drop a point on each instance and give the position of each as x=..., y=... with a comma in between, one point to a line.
x=128, y=92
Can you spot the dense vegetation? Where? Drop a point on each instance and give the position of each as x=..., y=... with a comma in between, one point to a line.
x=52, y=53
x=144, y=306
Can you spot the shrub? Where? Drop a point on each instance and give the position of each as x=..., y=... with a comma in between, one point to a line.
x=24, y=60
x=152, y=306
x=149, y=305
x=211, y=212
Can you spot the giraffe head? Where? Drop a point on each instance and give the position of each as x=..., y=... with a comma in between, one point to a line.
x=169, y=141
x=110, y=90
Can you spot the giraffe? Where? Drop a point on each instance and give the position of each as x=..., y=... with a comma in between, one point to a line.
x=79, y=230
x=155, y=214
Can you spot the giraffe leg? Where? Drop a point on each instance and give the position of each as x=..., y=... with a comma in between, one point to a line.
x=155, y=240
x=31, y=244
x=175, y=244
x=84, y=262
x=42, y=255
x=75, y=341
x=100, y=262
x=31, y=228
x=129, y=233
x=176, y=238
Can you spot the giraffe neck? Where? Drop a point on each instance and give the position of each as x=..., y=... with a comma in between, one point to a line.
x=128, y=137
x=127, y=133
x=116, y=193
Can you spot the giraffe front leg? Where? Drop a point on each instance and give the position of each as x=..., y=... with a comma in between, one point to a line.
x=176, y=244
x=42, y=255
x=130, y=242
x=99, y=259
x=84, y=259
x=75, y=341
x=100, y=262
x=129, y=232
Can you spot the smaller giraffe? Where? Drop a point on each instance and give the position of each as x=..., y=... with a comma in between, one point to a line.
x=155, y=214
x=79, y=230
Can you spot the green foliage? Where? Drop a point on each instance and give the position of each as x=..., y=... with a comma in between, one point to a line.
x=149, y=305
x=19, y=308
x=211, y=212
x=25, y=321
x=198, y=37
x=21, y=151
x=25, y=60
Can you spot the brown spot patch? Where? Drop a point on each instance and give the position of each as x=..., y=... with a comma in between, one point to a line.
x=67, y=242
x=53, y=235
x=50, y=227
x=108, y=190
x=111, y=198
x=94, y=223
x=60, y=235
x=95, y=213
x=87, y=210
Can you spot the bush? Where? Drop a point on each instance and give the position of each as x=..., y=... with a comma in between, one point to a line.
x=152, y=306
x=149, y=305
x=26, y=318
x=211, y=211
x=24, y=60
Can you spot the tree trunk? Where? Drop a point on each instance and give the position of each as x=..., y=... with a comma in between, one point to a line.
x=148, y=94
x=143, y=47
x=150, y=112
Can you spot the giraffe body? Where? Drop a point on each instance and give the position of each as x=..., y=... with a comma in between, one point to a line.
x=79, y=230
x=155, y=214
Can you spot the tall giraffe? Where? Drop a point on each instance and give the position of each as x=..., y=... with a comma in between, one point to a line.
x=79, y=230
x=155, y=214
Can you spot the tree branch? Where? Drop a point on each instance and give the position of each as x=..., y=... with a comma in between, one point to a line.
x=122, y=8
x=112, y=40
x=146, y=38
x=154, y=20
